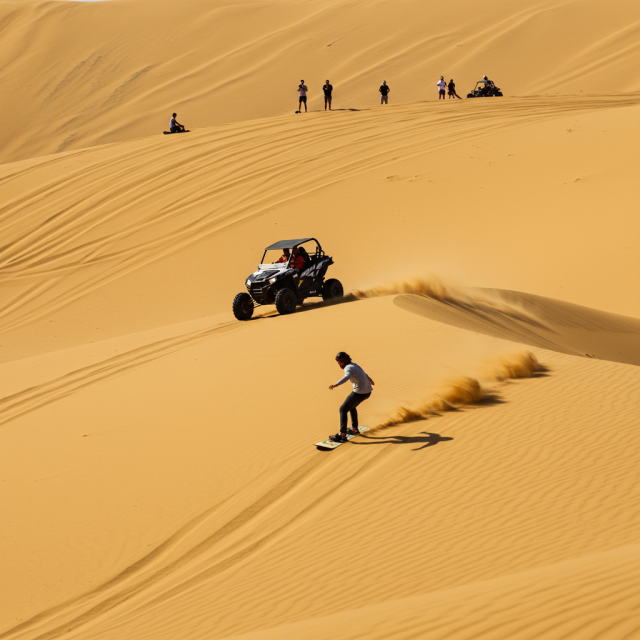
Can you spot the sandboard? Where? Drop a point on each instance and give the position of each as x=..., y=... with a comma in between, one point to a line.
x=329, y=445
x=169, y=133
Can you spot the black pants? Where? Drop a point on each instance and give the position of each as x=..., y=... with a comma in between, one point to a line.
x=349, y=406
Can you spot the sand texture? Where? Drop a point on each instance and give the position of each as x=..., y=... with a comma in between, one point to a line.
x=158, y=479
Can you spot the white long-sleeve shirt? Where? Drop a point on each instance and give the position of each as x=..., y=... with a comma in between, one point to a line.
x=358, y=377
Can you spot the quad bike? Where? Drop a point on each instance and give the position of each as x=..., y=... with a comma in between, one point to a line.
x=481, y=91
x=281, y=283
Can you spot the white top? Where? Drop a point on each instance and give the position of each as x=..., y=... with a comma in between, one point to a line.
x=442, y=84
x=358, y=377
x=303, y=89
x=172, y=123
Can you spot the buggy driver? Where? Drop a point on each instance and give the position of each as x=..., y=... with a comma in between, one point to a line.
x=296, y=263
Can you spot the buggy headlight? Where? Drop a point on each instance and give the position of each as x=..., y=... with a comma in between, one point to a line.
x=248, y=283
x=272, y=280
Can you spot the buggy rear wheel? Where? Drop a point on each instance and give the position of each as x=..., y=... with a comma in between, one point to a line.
x=499, y=94
x=243, y=306
x=286, y=301
x=332, y=289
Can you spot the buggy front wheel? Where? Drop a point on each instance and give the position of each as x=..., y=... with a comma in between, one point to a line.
x=332, y=289
x=243, y=306
x=286, y=301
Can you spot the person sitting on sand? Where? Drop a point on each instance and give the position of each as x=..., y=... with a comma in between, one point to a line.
x=362, y=388
x=175, y=126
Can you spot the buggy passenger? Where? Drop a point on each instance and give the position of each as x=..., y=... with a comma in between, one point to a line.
x=296, y=263
x=298, y=260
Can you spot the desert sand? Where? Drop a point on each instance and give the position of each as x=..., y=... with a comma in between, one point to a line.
x=158, y=474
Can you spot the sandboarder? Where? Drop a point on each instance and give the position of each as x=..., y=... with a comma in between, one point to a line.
x=175, y=126
x=362, y=384
x=302, y=96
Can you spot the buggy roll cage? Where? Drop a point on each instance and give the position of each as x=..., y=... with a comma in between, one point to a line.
x=292, y=244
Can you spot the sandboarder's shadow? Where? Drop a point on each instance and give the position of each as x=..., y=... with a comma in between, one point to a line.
x=429, y=440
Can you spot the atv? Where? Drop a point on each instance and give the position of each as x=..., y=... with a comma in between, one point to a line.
x=287, y=277
x=481, y=91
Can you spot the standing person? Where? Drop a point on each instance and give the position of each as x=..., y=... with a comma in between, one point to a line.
x=302, y=94
x=452, y=90
x=327, y=88
x=362, y=388
x=175, y=126
x=442, y=85
x=384, y=93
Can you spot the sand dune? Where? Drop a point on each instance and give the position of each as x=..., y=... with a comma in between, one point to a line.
x=95, y=73
x=529, y=319
x=158, y=479
x=77, y=237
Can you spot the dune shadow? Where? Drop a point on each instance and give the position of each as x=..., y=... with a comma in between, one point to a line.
x=427, y=440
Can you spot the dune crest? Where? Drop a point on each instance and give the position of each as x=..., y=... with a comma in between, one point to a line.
x=126, y=66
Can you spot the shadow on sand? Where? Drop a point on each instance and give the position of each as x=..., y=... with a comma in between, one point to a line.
x=425, y=438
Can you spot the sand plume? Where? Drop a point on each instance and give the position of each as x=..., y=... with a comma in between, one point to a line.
x=431, y=286
x=514, y=365
x=465, y=390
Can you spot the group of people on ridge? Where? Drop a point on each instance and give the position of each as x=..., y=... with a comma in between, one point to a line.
x=384, y=90
x=327, y=89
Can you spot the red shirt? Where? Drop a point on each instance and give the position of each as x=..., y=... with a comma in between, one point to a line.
x=296, y=263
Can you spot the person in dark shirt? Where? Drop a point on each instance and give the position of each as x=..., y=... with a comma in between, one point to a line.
x=384, y=93
x=452, y=90
x=327, y=88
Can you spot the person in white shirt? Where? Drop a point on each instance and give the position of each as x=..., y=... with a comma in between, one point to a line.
x=362, y=388
x=302, y=96
x=175, y=126
x=442, y=88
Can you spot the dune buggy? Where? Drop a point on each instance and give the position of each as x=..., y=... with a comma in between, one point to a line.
x=288, y=274
x=481, y=91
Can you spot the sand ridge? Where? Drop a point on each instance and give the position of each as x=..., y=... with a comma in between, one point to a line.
x=114, y=71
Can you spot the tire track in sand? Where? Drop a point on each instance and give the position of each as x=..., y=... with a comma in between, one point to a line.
x=84, y=228
x=33, y=398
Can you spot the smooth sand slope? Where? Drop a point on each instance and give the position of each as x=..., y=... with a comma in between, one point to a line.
x=76, y=74
x=158, y=479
